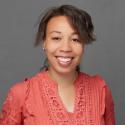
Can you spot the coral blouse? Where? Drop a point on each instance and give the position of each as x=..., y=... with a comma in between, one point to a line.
x=36, y=101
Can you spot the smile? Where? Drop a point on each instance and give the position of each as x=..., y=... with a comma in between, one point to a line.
x=64, y=61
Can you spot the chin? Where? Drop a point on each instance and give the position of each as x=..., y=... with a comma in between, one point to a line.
x=61, y=70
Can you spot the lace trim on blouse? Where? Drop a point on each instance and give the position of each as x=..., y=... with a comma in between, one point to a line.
x=83, y=108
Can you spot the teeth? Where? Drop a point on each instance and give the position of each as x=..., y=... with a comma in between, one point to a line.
x=64, y=59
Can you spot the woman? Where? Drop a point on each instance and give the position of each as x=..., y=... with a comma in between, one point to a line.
x=61, y=94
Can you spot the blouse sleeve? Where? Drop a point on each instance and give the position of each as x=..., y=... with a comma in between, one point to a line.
x=109, y=108
x=11, y=111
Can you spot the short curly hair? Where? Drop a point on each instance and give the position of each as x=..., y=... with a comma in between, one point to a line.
x=78, y=18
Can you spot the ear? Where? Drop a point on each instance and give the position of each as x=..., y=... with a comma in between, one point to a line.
x=44, y=44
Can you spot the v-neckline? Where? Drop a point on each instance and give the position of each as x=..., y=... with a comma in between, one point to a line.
x=56, y=110
x=55, y=85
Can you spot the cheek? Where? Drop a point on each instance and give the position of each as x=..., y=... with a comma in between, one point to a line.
x=79, y=51
x=50, y=48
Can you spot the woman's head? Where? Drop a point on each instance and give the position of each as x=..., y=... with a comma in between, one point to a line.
x=62, y=45
x=79, y=19
x=63, y=32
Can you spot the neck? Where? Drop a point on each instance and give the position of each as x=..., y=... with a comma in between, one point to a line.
x=63, y=79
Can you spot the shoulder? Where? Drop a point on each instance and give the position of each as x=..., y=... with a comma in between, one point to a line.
x=18, y=92
x=96, y=80
x=22, y=87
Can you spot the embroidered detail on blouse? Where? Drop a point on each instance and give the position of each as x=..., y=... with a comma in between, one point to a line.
x=28, y=107
x=93, y=103
x=83, y=104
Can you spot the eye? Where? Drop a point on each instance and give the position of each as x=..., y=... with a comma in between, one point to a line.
x=75, y=40
x=56, y=38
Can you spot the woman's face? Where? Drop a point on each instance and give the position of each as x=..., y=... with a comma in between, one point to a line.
x=62, y=45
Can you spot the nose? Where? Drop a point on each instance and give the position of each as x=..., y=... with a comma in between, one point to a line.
x=66, y=46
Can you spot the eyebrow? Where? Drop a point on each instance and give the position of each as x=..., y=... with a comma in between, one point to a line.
x=55, y=32
x=60, y=32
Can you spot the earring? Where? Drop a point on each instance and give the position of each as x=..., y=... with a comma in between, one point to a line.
x=43, y=49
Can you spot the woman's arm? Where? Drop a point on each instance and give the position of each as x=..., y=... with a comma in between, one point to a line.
x=11, y=111
x=109, y=108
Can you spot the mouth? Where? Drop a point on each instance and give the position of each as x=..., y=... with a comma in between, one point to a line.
x=64, y=61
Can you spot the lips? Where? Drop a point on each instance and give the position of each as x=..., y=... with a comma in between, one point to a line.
x=64, y=61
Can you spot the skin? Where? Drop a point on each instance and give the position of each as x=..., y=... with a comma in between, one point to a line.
x=62, y=41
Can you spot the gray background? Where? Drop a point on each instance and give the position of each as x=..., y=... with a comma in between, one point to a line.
x=19, y=59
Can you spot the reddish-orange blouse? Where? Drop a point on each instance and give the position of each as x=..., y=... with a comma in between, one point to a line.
x=35, y=101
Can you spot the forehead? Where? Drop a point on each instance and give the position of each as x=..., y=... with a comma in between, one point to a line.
x=60, y=24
